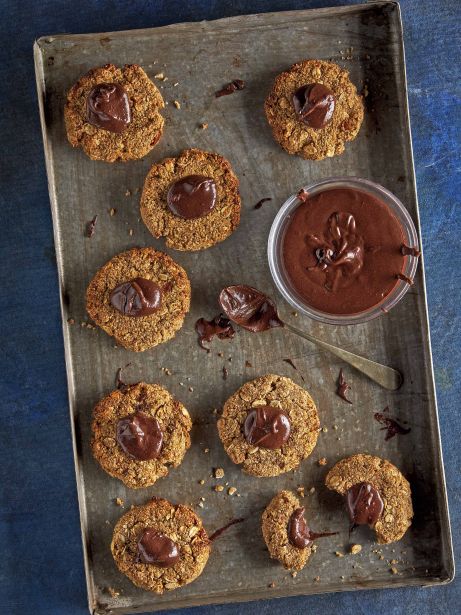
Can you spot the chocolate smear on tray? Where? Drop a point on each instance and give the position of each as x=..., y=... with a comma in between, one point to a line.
x=291, y=362
x=218, y=326
x=225, y=373
x=91, y=227
x=221, y=530
x=157, y=548
x=364, y=505
x=249, y=308
x=119, y=382
x=391, y=425
x=299, y=534
x=343, y=387
x=230, y=88
x=260, y=203
x=406, y=251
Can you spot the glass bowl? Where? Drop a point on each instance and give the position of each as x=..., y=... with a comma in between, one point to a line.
x=281, y=278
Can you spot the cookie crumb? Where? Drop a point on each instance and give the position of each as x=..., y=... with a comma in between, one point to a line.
x=218, y=488
x=206, y=450
x=312, y=490
x=271, y=585
x=130, y=232
x=231, y=490
x=394, y=570
x=201, y=482
x=300, y=491
x=112, y=211
x=119, y=501
x=339, y=554
x=218, y=472
x=293, y=574
x=200, y=504
x=160, y=76
x=113, y=592
x=71, y=321
x=128, y=193
x=322, y=461
x=355, y=549
x=316, y=579
x=177, y=104
x=324, y=429
x=203, y=125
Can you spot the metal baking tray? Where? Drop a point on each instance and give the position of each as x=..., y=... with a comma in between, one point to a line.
x=198, y=59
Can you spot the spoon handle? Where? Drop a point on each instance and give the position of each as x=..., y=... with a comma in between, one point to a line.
x=387, y=377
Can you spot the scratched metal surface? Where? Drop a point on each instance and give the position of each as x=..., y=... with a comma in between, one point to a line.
x=255, y=49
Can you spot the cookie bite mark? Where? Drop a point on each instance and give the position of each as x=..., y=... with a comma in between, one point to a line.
x=314, y=109
x=192, y=200
x=376, y=493
x=160, y=546
x=139, y=432
x=140, y=297
x=114, y=113
x=269, y=426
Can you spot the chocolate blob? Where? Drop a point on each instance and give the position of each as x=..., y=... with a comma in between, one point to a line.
x=108, y=107
x=249, y=308
x=191, y=197
x=156, y=548
x=140, y=436
x=139, y=297
x=267, y=427
x=207, y=329
x=314, y=104
x=341, y=251
x=364, y=504
x=299, y=534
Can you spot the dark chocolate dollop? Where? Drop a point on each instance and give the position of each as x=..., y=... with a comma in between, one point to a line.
x=267, y=427
x=207, y=329
x=193, y=196
x=140, y=436
x=139, y=297
x=156, y=548
x=108, y=107
x=299, y=534
x=249, y=308
x=364, y=504
x=314, y=104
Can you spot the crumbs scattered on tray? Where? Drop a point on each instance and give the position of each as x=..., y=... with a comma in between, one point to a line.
x=230, y=88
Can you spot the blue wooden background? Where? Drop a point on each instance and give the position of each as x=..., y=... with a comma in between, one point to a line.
x=41, y=569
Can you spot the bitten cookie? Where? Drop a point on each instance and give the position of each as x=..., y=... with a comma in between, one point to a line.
x=376, y=493
x=160, y=546
x=286, y=533
x=140, y=297
x=139, y=432
x=192, y=200
x=113, y=114
x=269, y=426
x=313, y=109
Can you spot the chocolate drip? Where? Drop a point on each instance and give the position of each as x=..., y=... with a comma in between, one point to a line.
x=267, y=427
x=299, y=534
x=391, y=426
x=216, y=534
x=207, y=329
x=157, y=548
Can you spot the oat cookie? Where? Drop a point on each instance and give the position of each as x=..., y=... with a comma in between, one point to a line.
x=313, y=109
x=269, y=426
x=192, y=200
x=139, y=432
x=376, y=493
x=160, y=546
x=140, y=297
x=113, y=113
x=275, y=520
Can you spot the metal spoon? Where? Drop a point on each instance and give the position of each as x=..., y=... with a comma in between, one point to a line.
x=255, y=311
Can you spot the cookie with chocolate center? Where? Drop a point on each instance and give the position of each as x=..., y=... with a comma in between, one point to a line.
x=313, y=109
x=160, y=546
x=375, y=493
x=140, y=297
x=269, y=426
x=139, y=432
x=286, y=531
x=114, y=113
x=192, y=200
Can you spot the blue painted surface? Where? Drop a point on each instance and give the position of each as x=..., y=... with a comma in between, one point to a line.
x=41, y=570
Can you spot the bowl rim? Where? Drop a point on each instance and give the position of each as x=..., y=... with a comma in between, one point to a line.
x=276, y=235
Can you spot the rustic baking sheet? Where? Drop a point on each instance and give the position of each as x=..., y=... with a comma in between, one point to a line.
x=198, y=59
